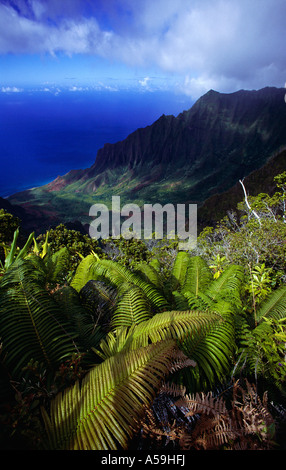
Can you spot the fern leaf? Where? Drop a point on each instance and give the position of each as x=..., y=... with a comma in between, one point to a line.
x=59, y=264
x=87, y=329
x=179, y=270
x=274, y=306
x=115, y=274
x=181, y=302
x=227, y=286
x=213, y=352
x=132, y=308
x=31, y=325
x=84, y=272
x=198, y=276
x=203, y=403
x=100, y=299
x=100, y=413
x=162, y=326
x=150, y=274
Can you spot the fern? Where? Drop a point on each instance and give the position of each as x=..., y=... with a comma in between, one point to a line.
x=227, y=286
x=181, y=302
x=204, y=403
x=213, y=352
x=274, y=306
x=99, y=413
x=150, y=274
x=198, y=276
x=162, y=326
x=115, y=274
x=31, y=325
x=84, y=272
x=100, y=299
x=241, y=423
x=132, y=308
x=57, y=264
x=179, y=270
x=87, y=329
x=262, y=347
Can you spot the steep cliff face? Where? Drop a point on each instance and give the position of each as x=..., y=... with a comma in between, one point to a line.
x=201, y=152
x=217, y=125
x=222, y=137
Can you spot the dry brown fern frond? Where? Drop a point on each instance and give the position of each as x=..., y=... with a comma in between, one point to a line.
x=173, y=389
x=243, y=424
x=181, y=361
x=157, y=433
x=252, y=416
x=203, y=403
x=198, y=439
x=247, y=424
x=210, y=433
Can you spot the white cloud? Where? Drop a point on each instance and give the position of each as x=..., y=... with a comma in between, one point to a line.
x=211, y=43
x=25, y=35
x=104, y=86
x=75, y=88
x=9, y=89
x=144, y=82
x=53, y=90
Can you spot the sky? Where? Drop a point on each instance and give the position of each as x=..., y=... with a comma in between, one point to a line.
x=182, y=46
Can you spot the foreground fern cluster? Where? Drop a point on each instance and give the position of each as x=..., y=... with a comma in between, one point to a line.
x=91, y=357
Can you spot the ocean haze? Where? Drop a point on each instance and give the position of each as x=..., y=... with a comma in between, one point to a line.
x=44, y=134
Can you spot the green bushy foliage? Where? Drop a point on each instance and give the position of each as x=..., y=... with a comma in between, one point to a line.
x=79, y=245
x=255, y=237
x=8, y=224
x=219, y=312
x=128, y=252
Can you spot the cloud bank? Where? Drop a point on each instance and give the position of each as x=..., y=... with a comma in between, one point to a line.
x=219, y=44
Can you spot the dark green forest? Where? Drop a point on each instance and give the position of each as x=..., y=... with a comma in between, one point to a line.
x=133, y=344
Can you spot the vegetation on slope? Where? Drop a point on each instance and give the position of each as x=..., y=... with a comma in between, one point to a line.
x=125, y=344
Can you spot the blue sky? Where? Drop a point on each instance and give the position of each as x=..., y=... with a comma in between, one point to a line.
x=185, y=46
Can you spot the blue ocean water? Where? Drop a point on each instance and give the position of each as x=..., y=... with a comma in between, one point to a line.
x=43, y=135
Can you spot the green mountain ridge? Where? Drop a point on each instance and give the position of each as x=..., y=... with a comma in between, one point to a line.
x=191, y=158
x=259, y=181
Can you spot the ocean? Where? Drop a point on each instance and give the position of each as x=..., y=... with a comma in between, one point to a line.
x=43, y=135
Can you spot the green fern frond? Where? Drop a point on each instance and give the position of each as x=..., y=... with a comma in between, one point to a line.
x=132, y=308
x=162, y=326
x=84, y=272
x=197, y=302
x=274, y=306
x=22, y=271
x=150, y=274
x=31, y=326
x=179, y=270
x=119, y=274
x=175, y=324
x=100, y=413
x=181, y=302
x=100, y=299
x=114, y=342
x=227, y=286
x=155, y=263
x=87, y=329
x=213, y=352
x=116, y=275
x=58, y=264
x=198, y=276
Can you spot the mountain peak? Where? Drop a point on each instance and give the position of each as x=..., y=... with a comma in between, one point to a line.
x=205, y=150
